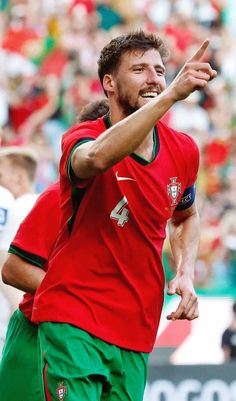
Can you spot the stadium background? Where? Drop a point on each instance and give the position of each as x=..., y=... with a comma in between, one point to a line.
x=48, y=72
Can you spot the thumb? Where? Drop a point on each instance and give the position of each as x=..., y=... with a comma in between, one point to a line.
x=200, y=51
x=171, y=289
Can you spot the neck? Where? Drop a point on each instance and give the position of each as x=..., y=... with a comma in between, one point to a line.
x=23, y=190
x=115, y=112
x=115, y=117
x=145, y=149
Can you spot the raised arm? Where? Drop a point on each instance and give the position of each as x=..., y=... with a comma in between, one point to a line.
x=125, y=136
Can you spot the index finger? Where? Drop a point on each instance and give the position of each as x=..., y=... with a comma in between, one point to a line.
x=200, y=51
x=177, y=313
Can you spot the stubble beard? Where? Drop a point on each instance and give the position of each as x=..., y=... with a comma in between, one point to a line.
x=124, y=103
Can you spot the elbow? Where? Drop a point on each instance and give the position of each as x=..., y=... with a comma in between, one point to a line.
x=190, y=214
x=94, y=163
x=99, y=159
x=99, y=163
x=6, y=276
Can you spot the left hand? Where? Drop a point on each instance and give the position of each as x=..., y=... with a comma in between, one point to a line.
x=188, y=305
x=194, y=75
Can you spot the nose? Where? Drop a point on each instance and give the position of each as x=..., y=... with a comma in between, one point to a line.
x=152, y=77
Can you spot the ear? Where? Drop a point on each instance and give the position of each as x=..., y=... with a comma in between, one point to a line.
x=108, y=83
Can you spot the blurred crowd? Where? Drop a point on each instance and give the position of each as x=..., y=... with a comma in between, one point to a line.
x=48, y=72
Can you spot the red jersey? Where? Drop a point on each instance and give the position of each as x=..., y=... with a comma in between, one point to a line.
x=105, y=275
x=36, y=236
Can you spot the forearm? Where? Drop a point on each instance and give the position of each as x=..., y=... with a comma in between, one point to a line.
x=184, y=240
x=19, y=274
x=41, y=115
x=125, y=136
x=128, y=134
x=121, y=139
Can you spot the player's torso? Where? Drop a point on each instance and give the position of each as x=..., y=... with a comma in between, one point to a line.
x=106, y=266
x=135, y=195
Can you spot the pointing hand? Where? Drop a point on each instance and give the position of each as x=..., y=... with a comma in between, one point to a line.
x=194, y=75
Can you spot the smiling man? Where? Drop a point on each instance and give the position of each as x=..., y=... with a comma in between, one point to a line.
x=122, y=178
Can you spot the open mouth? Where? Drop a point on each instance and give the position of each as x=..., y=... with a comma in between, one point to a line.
x=149, y=95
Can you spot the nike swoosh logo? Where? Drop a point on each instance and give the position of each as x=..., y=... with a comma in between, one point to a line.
x=123, y=178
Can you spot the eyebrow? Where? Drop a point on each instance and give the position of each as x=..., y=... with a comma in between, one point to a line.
x=161, y=67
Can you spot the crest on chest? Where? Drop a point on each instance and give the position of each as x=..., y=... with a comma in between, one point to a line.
x=173, y=190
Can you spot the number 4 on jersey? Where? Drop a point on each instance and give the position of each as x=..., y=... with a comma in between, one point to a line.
x=120, y=213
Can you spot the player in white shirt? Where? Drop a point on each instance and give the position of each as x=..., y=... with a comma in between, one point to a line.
x=6, y=202
x=16, y=214
x=18, y=167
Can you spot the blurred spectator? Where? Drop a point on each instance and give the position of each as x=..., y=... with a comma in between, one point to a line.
x=108, y=16
x=189, y=116
x=228, y=341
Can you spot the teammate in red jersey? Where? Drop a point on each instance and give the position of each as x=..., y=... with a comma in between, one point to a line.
x=122, y=178
x=26, y=264
x=24, y=269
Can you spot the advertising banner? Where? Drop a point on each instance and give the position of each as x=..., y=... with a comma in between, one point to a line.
x=191, y=383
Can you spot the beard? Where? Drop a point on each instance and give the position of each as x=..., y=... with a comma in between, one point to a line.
x=124, y=102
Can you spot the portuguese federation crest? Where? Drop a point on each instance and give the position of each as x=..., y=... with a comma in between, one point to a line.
x=173, y=189
x=61, y=391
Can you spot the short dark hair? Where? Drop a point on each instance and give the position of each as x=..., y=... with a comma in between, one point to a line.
x=93, y=110
x=111, y=54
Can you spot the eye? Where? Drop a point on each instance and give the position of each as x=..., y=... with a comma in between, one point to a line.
x=160, y=72
x=138, y=69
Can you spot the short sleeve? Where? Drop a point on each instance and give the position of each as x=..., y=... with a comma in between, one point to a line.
x=36, y=235
x=84, y=132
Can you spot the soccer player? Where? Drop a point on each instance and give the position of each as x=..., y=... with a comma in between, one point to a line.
x=6, y=202
x=26, y=265
x=122, y=177
x=24, y=269
x=17, y=174
x=18, y=167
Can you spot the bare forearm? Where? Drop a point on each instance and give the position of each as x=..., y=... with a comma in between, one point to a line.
x=128, y=134
x=22, y=275
x=39, y=116
x=121, y=139
x=184, y=240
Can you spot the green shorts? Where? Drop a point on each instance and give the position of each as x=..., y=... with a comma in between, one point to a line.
x=19, y=368
x=78, y=366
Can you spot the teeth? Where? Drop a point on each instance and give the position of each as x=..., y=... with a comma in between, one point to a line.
x=149, y=94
